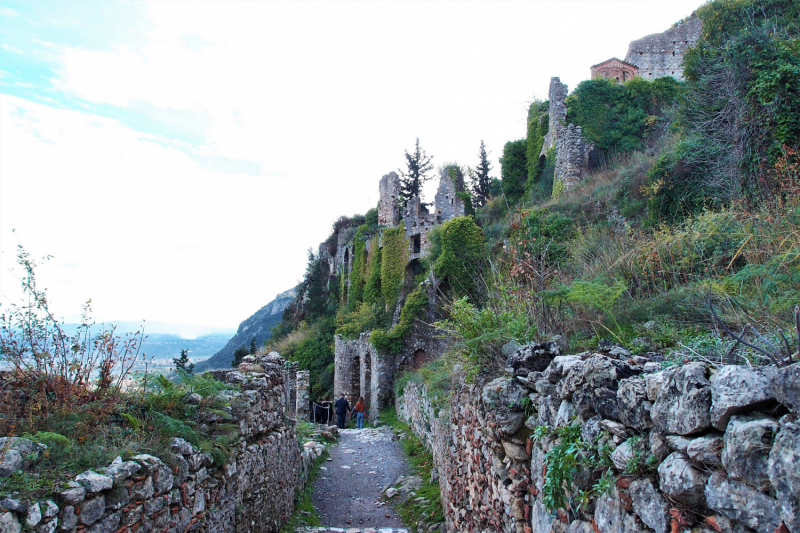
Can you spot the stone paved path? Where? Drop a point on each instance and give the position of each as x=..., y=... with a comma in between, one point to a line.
x=347, y=493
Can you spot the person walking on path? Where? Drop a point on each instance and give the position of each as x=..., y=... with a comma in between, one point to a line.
x=342, y=407
x=360, y=411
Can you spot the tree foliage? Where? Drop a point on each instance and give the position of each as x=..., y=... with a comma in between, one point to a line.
x=459, y=263
x=182, y=362
x=481, y=181
x=418, y=164
x=514, y=169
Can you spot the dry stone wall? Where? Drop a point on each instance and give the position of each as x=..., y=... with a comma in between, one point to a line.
x=185, y=490
x=697, y=446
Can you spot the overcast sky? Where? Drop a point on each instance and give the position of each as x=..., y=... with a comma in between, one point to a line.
x=177, y=159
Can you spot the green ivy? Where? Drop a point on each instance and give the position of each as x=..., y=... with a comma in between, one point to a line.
x=391, y=341
x=393, y=263
x=462, y=254
x=372, y=289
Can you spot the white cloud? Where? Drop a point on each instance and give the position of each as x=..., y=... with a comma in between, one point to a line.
x=5, y=46
x=321, y=96
x=7, y=12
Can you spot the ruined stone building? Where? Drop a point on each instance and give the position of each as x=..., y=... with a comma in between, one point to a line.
x=653, y=56
x=571, y=148
x=359, y=368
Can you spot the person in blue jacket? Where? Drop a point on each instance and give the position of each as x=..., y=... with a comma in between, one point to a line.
x=342, y=408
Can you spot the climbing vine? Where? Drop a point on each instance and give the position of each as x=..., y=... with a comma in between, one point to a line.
x=462, y=254
x=393, y=262
x=372, y=289
x=391, y=341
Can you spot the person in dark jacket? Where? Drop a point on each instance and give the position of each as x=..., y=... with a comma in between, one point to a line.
x=342, y=408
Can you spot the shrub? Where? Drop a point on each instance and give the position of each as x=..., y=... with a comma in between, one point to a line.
x=391, y=341
x=514, y=169
x=461, y=259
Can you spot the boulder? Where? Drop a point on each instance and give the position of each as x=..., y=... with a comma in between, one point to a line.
x=73, y=494
x=94, y=482
x=747, y=443
x=649, y=505
x=681, y=481
x=611, y=517
x=532, y=358
x=678, y=444
x=740, y=502
x=10, y=462
x=604, y=401
x=9, y=523
x=706, y=450
x=108, y=524
x=194, y=399
x=560, y=366
x=515, y=451
x=178, y=445
x=784, y=473
x=33, y=516
x=121, y=470
x=574, y=379
x=615, y=428
x=785, y=386
x=155, y=468
x=24, y=447
x=683, y=405
x=736, y=389
x=658, y=445
x=583, y=400
x=15, y=505
x=602, y=371
x=591, y=430
x=579, y=526
x=50, y=509
x=633, y=407
x=622, y=455
x=565, y=414
x=92, y=510
x=655, y=382
x=67, y=518
x=547, y=408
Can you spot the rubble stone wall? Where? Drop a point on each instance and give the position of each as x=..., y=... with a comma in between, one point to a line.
x=185, y=490
x=697, y=446
x=661, y=54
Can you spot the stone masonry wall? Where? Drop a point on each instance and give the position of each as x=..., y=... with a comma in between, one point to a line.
x=571, y=148
x=185, y=490
x=697, y=446
x=661, y=54
x=359, y=370
x=389, y=193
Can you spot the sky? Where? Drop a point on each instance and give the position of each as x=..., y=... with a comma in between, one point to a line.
x=177, y=159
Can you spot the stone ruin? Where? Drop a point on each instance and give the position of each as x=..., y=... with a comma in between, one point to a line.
x=653, y=56
x=571, y=148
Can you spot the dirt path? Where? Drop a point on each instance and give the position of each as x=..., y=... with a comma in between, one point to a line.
x=347, y=492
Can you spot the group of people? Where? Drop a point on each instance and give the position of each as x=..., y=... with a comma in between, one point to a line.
x=359, y=411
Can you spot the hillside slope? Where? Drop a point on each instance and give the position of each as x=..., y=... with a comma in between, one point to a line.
x=258, y=326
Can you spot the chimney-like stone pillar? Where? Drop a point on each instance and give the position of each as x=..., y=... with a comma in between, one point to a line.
x=303, y=384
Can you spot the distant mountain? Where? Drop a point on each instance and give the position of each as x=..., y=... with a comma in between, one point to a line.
x=258, y=326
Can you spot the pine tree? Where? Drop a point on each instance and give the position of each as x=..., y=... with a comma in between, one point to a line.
x=238, y=355
x=182, y=362
x=411, y=181
x=480, y=185
x=253, y=346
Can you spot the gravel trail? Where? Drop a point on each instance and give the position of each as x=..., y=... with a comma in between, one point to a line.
x=347, y=492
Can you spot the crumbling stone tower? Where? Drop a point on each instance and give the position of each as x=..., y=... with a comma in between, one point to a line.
x=389, y=192
x=571, y=148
